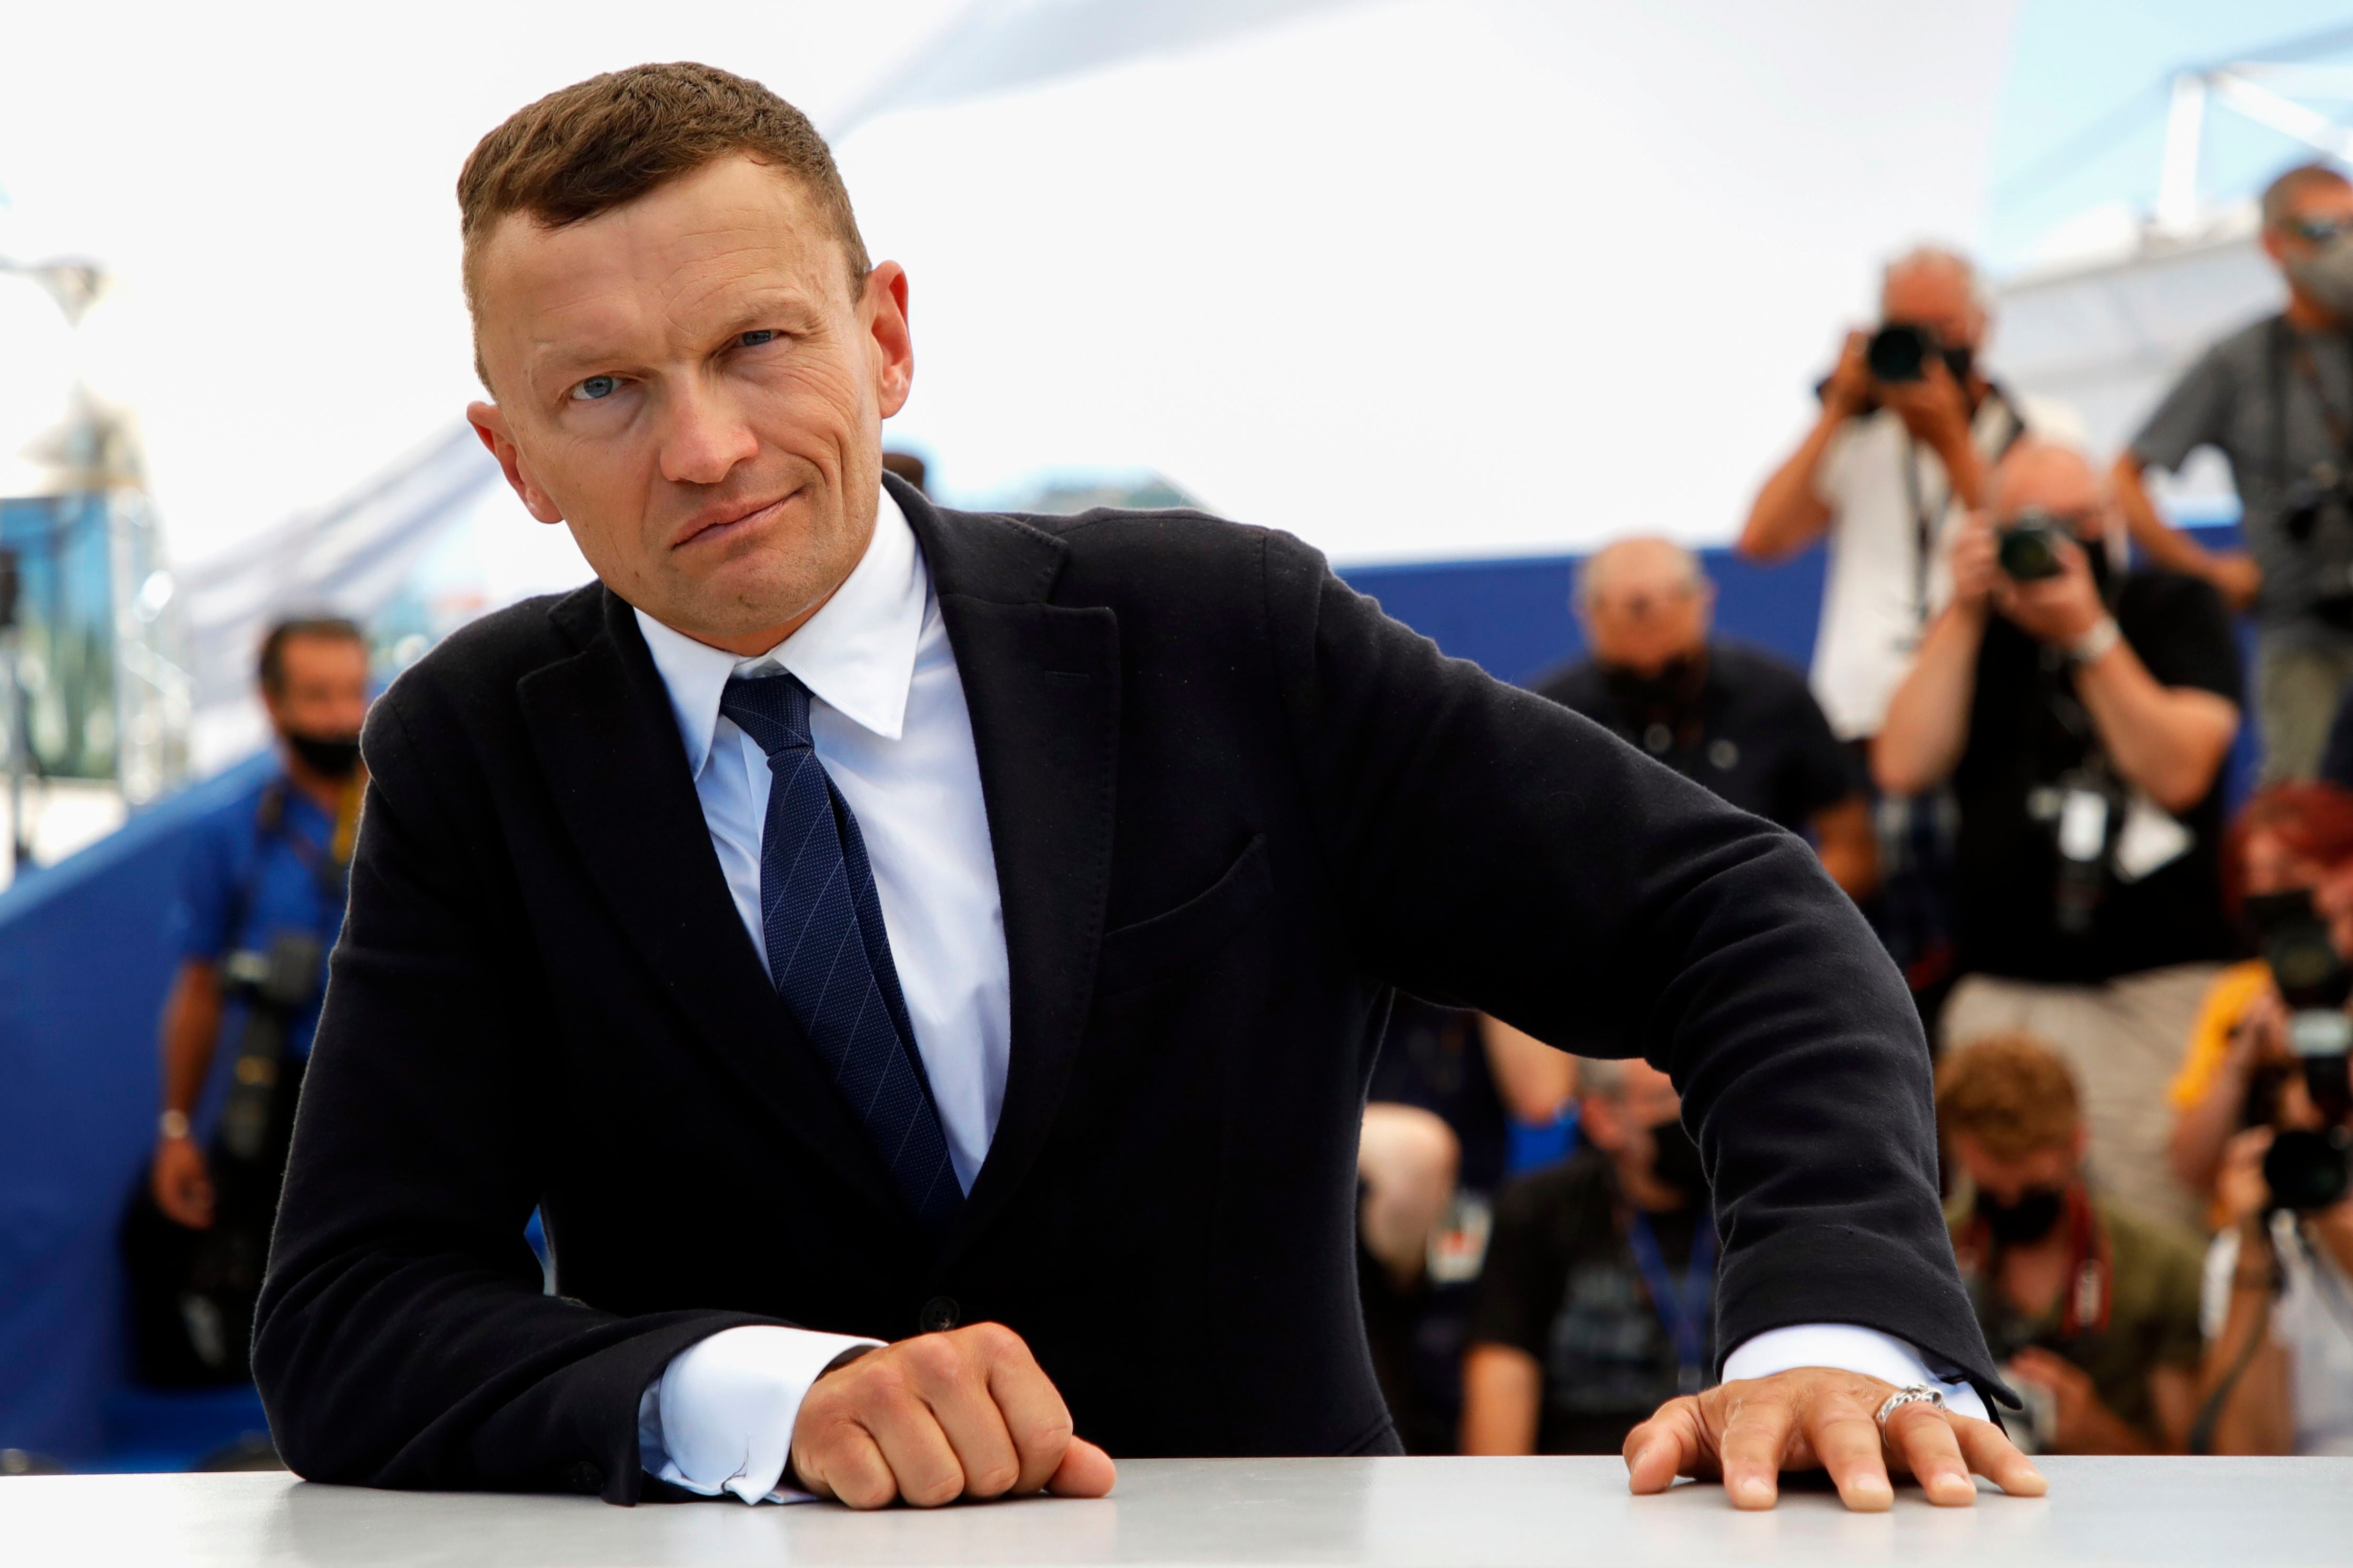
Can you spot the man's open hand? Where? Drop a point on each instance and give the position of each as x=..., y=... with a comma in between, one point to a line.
x=962, y=1413
x=1810, y=1417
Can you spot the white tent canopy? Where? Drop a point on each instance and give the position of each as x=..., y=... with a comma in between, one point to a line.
x=1413, y=278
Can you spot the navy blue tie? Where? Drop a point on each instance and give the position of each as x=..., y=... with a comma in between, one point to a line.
x=828, y=951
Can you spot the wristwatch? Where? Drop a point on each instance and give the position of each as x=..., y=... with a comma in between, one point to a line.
x=173, y=1125
x=2096, y=642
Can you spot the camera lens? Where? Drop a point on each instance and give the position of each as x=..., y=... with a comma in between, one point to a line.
x=2309, y=1170
x=1898, y=352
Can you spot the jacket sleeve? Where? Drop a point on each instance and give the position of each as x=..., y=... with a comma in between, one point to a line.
x=402, y=1338
x=1493, y=849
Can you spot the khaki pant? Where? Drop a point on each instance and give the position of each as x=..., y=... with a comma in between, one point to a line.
x=2297, y=685
x=2124, y=1042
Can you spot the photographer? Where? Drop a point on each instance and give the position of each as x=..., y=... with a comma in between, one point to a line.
x=2082, y=715
x=1911, y=426
x=1596, y=1304
x=262, y=901
x=2092, y=1309
x=1733, y=719
x=2276, y=399
x=2279, y=1285
x=2292, y=838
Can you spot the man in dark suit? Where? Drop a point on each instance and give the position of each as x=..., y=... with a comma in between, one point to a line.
x=924, y=966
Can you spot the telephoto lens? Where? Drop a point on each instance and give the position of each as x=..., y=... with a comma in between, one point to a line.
x=2307, y=1172
x=2027, y=549
x=1898, y=353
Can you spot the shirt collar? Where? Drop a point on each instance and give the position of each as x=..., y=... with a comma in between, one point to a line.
x=856, y=655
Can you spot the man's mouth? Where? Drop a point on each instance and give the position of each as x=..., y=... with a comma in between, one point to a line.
x=717, y=523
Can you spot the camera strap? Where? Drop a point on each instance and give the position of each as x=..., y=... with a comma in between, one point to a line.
x=2289, y=349
x=1683, y=1310
x=1926, y=524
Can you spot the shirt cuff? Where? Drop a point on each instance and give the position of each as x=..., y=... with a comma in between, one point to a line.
x=1848, y=1348
x=720, y=1417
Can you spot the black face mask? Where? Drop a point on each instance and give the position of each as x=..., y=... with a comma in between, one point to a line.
x=1644, y=699
x=1961, y=360
x=2028, y=1220
x=1675, y=1160
x=330, y=756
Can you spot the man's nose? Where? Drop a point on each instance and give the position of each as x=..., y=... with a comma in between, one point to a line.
x=703, y=438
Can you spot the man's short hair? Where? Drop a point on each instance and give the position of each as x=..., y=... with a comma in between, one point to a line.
x=603, y=143
x=2282, y=195
x=2010, y=1092
x=271, y=665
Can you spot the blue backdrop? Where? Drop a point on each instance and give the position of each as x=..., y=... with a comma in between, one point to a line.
x=84, y=966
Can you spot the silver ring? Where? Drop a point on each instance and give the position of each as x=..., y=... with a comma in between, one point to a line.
x=1917, y=1394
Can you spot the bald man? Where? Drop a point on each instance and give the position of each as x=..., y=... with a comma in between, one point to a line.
x=1885, y=473
x=1734, y=718
x=2082, y=718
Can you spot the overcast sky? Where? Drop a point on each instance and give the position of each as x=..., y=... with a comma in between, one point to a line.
x=1409, y=277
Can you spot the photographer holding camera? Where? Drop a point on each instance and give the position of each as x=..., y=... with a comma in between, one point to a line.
x=2081, y=714
x=2275, y=398
x=260, y=902
x=2279, y=1278
x=1911, y=426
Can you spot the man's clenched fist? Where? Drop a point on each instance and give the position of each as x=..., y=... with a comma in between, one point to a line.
x=964, y=1414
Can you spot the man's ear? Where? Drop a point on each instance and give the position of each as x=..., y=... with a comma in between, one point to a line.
x=885, y=309
x=491, y=424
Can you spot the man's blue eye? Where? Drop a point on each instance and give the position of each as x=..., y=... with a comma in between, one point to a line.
x=754, y=339
x=596, y=386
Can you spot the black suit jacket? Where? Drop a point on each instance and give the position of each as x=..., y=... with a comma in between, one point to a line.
x=1232, y=806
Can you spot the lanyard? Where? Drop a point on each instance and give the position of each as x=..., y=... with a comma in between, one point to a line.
x=1682, y=1313
x=2288, y=348
x=1927, y=525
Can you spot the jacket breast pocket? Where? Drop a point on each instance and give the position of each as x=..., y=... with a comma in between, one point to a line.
x=1176, y=941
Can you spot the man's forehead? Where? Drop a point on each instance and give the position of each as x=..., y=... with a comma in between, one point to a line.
x=730, y=227
x=2324, y=197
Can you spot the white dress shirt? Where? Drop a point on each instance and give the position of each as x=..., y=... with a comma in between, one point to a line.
x=892, y=730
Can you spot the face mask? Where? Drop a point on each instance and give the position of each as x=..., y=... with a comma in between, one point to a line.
x=1675, y=1160
x=2028, y=1219
x=1959, y=359
x=330, y=756
x=1644, y=697
x=2328, y=274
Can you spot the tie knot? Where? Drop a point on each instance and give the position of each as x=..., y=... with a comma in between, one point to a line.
x=773, y=710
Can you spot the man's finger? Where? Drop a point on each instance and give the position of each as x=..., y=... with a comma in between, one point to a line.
x=1755, y=1440
x=922, y=1463
x=1845, y=1438
x=1920, y=1437
x=1085, y=1471
x=1668, y=1445
x=1996, y=1457
x=953, y=1381
x=847, y=1466
x=1037, y=1422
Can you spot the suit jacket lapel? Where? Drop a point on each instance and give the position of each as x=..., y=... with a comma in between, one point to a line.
x=608, y=744
x=1042, y=684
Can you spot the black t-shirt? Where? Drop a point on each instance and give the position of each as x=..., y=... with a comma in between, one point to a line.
x=1758, y=739
x=2027, y=734
x=1561, y=1283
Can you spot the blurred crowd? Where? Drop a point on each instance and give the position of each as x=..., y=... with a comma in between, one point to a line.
x=2012, y=751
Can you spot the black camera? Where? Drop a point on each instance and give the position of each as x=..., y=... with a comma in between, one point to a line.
x=1899, y=351
x=2307, y=1171
x=2027, y=547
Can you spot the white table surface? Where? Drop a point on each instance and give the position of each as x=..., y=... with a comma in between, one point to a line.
x=1491, y=1512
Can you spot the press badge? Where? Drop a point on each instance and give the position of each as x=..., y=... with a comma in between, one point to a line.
x=2151, y=840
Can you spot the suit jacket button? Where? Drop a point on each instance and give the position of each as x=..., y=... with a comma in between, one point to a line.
x=939, y=1313
x=587, y=1478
